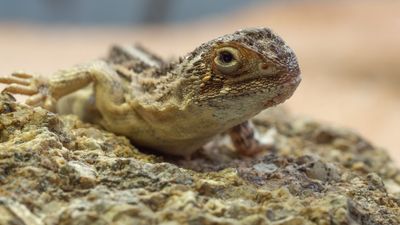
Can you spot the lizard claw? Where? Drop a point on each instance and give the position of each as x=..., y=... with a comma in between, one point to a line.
x=33, y=86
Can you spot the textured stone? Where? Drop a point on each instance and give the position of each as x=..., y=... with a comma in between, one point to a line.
x=58, y=170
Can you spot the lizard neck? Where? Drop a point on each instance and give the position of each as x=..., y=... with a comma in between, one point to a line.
x=179, y=82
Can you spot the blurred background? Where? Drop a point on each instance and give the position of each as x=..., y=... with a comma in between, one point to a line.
x=349, y=51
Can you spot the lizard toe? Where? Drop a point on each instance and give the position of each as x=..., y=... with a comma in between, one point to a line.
x=20, y=89
x=22, y=75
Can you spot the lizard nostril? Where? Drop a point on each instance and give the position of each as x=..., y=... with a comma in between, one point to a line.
x=268, y=69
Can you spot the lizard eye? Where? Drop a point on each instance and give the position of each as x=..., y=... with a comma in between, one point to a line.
x=226, y=57
x=227, y=60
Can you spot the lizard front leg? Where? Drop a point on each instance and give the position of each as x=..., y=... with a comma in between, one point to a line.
x=46, y=92
x=244, y=139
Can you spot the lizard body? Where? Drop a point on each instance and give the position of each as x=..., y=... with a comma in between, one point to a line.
x=174, y=107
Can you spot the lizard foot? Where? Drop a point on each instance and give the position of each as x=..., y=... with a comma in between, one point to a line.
x=243, y=137
x=35, y=87
x=252, y=148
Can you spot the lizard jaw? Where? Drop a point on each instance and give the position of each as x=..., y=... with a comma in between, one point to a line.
x=288, y=89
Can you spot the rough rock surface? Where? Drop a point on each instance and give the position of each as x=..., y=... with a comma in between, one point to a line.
x=58, y=170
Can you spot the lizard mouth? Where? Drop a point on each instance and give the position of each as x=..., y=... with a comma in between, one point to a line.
x=286, y=91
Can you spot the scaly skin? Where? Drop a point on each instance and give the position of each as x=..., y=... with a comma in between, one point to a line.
x=174, y=107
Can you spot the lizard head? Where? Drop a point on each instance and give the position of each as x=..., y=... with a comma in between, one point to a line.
x=243, y=72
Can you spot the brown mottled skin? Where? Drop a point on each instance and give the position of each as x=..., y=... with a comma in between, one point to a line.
x=179, y=106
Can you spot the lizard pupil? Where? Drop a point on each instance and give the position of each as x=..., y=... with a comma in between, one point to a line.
x=226, y=57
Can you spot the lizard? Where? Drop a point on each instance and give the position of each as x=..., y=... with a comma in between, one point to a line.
x=178, y=106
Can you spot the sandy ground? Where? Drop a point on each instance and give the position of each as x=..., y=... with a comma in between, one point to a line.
x=349, y=54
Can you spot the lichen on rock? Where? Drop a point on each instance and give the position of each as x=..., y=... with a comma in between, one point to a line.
x=58, y=170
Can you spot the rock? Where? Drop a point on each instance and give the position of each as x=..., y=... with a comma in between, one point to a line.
x=58, y=170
